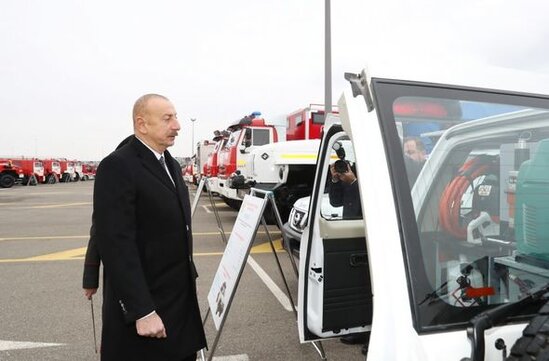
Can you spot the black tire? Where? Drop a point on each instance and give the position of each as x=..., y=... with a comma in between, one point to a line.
x=7, y=181
x=29, y=181
x=534, y=343
x=85, y=177
x=51, y=179
x=233, y=203
x=76, y=177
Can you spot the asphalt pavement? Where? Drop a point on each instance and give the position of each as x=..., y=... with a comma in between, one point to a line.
x=43, y=236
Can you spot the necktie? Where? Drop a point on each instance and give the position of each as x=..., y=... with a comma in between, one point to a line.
x=163, y=164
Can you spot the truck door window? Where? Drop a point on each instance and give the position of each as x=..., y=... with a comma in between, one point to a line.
x=341, y=198
x=471, y=167
x=261, y=136
x=318, y=118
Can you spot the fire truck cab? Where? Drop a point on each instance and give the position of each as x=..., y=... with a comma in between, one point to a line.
x=211, y=168
x=33, y=170
x=10, y=173
x=245, y=135
x=203, y=151
x=52, y=171
x=67, y=170
x=88, y=171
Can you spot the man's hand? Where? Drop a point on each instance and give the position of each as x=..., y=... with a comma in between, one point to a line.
x=151, y=326
x=347, y=177
x=89, y=292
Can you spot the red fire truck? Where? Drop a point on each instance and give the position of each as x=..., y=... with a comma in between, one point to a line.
x=67, y=170
x=246, y=134
x=203, y=151
x=10, y=173
x=52, y=171
x=211, y=167
x=33, y=170
x=188, y=172
x=88, y=171
x=306, y=123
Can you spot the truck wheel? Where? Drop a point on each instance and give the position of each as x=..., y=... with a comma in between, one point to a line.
x=233, y=203
x=7, y=181
x=51, y=179
x=535, y=338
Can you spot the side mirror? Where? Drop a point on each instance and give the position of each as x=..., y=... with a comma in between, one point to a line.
x=244, y=147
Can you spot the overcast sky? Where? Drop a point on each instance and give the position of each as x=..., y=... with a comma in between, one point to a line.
x=70, y=70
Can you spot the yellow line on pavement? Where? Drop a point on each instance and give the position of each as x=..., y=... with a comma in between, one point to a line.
x=58, y=256
x=79, y=253
x=195, y=234
x=266, y=247
x=41, y=237
x=60, y=205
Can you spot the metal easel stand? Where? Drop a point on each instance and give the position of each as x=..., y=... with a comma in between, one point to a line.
x=219, y=332
x=226, y=312
x=205, y=182
x=270, y=196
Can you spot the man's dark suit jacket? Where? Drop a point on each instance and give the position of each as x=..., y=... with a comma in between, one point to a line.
x=144, y=238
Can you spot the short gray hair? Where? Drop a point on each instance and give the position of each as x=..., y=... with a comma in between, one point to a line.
x=141, y=104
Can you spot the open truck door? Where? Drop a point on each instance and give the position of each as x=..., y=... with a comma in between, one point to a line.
x=335, y=296
x=455, y=248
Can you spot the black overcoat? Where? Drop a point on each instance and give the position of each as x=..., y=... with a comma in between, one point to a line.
x=143, y=233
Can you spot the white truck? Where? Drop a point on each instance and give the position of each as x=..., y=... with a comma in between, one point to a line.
x=453, y=265
x=286, y=167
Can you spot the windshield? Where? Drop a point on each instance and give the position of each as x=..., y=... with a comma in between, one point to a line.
x=473, y=168
x=233, y=139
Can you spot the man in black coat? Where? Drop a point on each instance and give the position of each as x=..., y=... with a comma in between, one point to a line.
x=344, y=190
x=143, y=233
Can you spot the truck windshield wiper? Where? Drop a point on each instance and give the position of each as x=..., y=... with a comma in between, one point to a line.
x=490, y=318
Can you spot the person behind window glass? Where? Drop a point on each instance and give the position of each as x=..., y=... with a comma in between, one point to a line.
x=344, y=190
x=414, y=157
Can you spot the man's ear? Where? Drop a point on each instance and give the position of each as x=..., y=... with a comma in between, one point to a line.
x=140, y=125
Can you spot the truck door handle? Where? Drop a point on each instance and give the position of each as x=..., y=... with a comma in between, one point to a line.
x=315, y=273
x=358, y=260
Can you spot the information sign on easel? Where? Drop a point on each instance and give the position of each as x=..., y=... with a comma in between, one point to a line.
x=234, y=258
